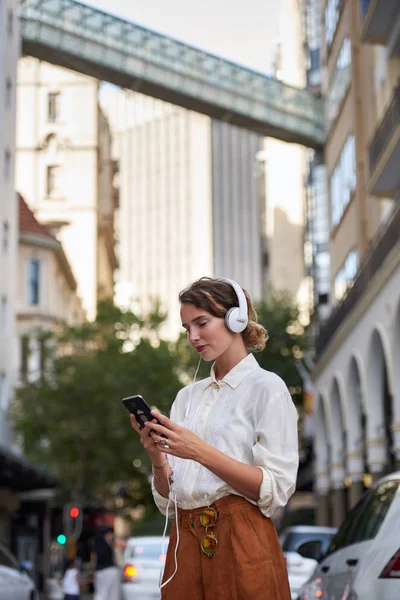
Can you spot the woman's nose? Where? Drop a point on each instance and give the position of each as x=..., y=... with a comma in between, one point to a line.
x=193, y=336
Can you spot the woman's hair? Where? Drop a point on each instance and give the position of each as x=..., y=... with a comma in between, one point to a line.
x=217, y=297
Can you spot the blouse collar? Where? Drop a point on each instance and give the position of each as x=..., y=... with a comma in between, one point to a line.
x=236, y=375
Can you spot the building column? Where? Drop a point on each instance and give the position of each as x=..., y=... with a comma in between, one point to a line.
x=377, y=458
x=355, y=467
x=322, y=512
x=396, y=443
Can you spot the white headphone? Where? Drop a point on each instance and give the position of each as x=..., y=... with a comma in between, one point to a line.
x=236, y=318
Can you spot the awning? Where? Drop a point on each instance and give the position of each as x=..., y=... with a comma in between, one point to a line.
x=20, y=475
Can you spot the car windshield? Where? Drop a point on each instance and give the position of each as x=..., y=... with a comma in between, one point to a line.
x=148, y=551
x=294, y=539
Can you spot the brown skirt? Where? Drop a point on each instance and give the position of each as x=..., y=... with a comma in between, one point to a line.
x=248, y=563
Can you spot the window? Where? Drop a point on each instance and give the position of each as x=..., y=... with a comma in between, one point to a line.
x=54, y=177
x=339, y=84
x=343, y=536
x=343, y=181
x=374, y=512
x=345, y=277
x=7, y=165
x=4, y=316
x=33, y=281
x=5, y=238
x=53, y=106
x=8, y=93
x=24, y=357
x=332, y=13
x=10, y=23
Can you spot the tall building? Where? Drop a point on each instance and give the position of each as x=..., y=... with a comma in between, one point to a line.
x=189, y=203
x=356, y=377
x=284, y=167
x=65, y=172
x=9, y=53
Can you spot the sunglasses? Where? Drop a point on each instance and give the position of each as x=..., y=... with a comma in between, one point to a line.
x=208, y=518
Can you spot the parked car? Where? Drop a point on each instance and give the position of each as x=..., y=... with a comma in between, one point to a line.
x=144, y=560
x=363, y=559
x=303, y=546
x=15, y=582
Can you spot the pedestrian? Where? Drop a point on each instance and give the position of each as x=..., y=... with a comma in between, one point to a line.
x=107, y=577
x=71, y=581
x=230, y=458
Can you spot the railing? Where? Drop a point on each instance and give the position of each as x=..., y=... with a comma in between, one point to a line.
x=384, y=241
x=385, y=131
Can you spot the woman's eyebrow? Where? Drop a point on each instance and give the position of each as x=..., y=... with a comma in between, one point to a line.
x=194, y=320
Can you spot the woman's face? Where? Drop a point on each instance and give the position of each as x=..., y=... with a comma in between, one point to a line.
x=207, y=334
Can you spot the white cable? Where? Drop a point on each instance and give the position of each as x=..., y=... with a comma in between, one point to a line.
x=176, y=510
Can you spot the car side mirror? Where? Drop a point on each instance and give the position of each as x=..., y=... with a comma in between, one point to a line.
x=311, y=549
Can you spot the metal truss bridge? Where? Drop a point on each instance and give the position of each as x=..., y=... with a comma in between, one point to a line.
x=92, y=42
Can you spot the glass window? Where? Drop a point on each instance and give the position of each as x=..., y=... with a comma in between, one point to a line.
x=33, y=281
x=24, y=356
x=343, y=181
x=53, y=106
x=343, y=536
x=339, y=84
x=332, y=13
x=374, y=512
x=345, y=277
x=5, y=237
x=7, y=165
x=6, y=560
x=54, y=180
x=8, y=93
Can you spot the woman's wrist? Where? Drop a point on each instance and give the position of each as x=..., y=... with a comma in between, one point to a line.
x=158, y=460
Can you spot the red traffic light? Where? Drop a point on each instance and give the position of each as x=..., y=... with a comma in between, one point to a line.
x=74, y=512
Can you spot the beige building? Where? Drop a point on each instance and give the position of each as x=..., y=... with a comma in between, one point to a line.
x=65, y=172
x=47, y=292
x=356, y=378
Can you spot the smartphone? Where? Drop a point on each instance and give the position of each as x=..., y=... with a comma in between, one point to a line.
x=138, y=407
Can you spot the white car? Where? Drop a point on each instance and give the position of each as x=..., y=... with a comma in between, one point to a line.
x=303, y=546
x=15, y=583
x=363, y=560
x=144, y=561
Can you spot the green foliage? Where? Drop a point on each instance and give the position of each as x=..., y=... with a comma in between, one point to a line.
x=72, y=419
x=287, y=341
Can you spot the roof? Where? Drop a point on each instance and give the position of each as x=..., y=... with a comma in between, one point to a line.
x=28, y=222
x=21, y=475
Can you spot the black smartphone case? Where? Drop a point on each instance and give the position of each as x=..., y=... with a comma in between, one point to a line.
x=138, y=407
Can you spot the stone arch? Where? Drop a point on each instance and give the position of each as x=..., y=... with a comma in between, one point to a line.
x=357, y=419
x=322, y=451
x=338, y=433
x=380, y=403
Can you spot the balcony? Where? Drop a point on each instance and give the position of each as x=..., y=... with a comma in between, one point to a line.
x=384, y=152
x=380, y=23
x=381, y=246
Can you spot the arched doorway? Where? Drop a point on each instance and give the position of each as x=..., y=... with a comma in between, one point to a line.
x=357, y=458
x=322, y=459
x=380, y=408
x=339, y=454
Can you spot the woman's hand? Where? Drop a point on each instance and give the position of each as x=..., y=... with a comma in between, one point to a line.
x=181, y=442
x=156, y=454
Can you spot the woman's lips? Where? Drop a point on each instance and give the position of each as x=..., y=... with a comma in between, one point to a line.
x=200, y=348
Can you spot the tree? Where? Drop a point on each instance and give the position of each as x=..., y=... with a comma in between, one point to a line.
x=72, y=419
x=287, y=340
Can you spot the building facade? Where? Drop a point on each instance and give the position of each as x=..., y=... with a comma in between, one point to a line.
x=189, y=202
x=65, y=172
x=356, y=377
x=46, y=294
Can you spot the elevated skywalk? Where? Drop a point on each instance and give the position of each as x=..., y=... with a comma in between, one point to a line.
x=87, y=40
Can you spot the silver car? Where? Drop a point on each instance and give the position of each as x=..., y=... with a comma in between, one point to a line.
x=303, y=546
x=15, y=583
x=144, y=561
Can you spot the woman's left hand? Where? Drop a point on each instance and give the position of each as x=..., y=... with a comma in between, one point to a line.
x=181, y=442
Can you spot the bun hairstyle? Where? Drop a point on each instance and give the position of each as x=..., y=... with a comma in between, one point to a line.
x=217, y=297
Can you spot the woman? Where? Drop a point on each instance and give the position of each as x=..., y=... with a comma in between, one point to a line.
x=230, y=457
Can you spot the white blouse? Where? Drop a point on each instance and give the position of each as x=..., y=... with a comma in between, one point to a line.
x=250, y=416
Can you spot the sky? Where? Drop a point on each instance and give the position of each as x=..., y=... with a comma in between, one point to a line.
x=244, y=31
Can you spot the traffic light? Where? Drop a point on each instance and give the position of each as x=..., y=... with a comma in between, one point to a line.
x=61, y=539
x=72, y=518
x=74, y=512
